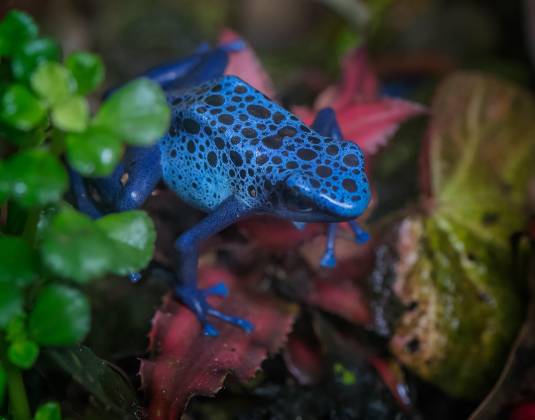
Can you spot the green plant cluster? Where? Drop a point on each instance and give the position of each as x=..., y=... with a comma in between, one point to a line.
x=48, y=250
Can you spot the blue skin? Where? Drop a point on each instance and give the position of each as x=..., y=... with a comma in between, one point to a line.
x=233, y=153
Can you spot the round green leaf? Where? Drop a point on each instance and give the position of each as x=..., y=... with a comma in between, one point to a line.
x=5, y=183
x=75, y=248
x=133, y=234
x=15, y=29
x=23, y=353
x=95, y=152
x=71, y=114
x=20, y=108
x=87, y=69
x=17, y=263
x=137, y=113
x=48, y=411
x=11, y=302
x=33, y=53
x=37, y=178
x=53, y=82
x=61, y=316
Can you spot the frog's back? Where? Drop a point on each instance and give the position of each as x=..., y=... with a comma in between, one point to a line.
x=229, y=139
x=214, y=149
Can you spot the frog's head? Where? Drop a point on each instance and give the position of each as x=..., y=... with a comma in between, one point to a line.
x=333, y=190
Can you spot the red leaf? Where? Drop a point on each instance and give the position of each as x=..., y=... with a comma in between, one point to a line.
x=186, y=363
x=393, y=378
x=304, y=360
x=246, y=65
x=276, y=234
x=364, y=117
x=523, y=412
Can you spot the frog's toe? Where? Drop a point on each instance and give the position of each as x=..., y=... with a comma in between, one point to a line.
x=328, y=260
x=134, y=277
x=195, y=300
x=219, y=289
x=209, y=330
x=361, y=236
x=239, y=322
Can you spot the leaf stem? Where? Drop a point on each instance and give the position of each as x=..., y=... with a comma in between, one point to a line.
x=18, y=399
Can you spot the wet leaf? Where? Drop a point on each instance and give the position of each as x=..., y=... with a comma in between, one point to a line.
x=33, y=53
x=20, y=108
x=36, y=176
x=104, y=381
x=60, y=317
x=87, y=69
x=23, y=353
x=53, y=82
x=73, y=247
x=76, y=247
x=11, y=303
x=48, y=411
x=94, y=152
x=133, y=235
x=72, y=114
x=138, y=113
x=18, y=26
x=186, y=363
x=17, y=262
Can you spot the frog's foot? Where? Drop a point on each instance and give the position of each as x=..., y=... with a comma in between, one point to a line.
x=134, y=277
x=361, y=236
x=328, y=260
x=195, y=300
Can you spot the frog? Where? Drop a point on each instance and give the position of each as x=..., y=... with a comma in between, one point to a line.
x=233, y=153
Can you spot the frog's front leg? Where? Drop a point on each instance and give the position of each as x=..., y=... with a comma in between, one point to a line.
x=326, y=124
x=187, y=245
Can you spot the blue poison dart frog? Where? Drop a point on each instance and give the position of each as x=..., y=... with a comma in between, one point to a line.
x=232, y=152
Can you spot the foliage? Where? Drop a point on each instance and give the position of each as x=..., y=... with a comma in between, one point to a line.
x=47, y=249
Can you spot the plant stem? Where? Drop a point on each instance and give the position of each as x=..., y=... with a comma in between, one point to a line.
x=30, y=228
x=18, y=400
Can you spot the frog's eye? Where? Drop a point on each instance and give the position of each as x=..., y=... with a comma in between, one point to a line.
x=295, y=201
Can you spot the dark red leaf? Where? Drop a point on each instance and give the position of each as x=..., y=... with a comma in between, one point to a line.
x=277, y=234
x=393, y=378
x=364, y=117
x=523, y=412
x=304, y=359
x=246, y=65
x=185, y=363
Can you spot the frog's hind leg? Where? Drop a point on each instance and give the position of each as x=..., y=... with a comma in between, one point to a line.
x=126, y=189
x=187, y=245
x=205, y=64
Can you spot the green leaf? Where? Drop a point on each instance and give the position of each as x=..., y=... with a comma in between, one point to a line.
x=11, y=303
x=16, y=328
x=17, y=263
x=33, y=53
x=37, y=178
x=73, y=247
x=60, y=317
x=24, y=139
x=15, y=29
x=20, y=108
x=134, y=235
x=48, y=411
x=104, y=381
x=87, y=69
x=23, y=353
x=53, y=82
x=71, y=114
x=137, y=113
x=95, y=152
